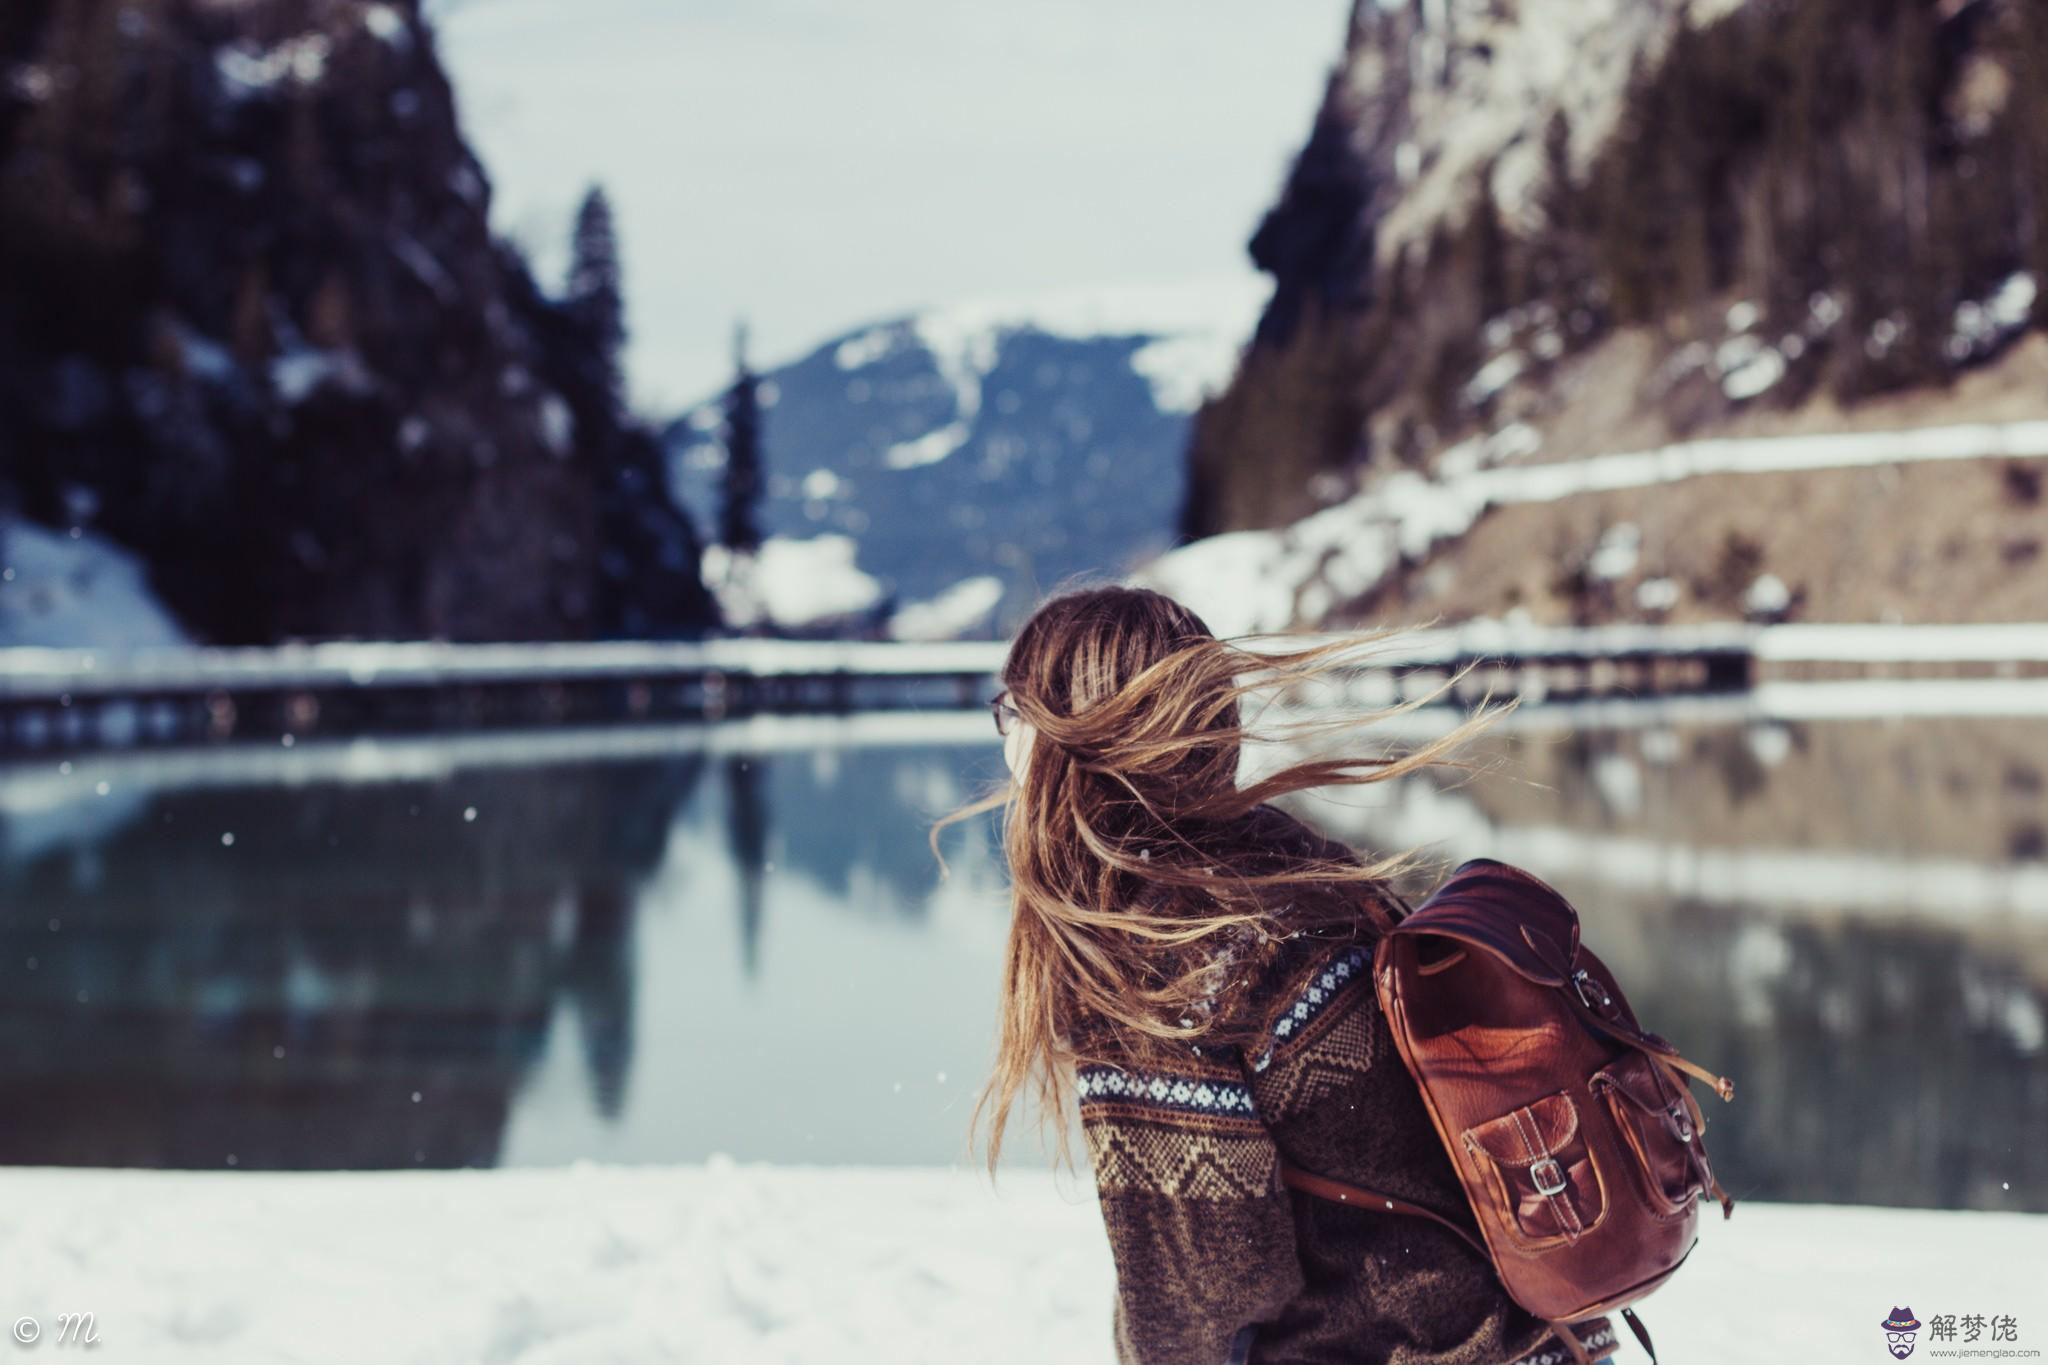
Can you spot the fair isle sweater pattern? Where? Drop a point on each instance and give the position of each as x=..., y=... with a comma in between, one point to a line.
x=1195, y=1132
x=1187, y=1134
x=1163, y=1091
x=1322, y=990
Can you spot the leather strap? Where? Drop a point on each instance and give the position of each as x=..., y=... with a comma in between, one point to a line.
x=1338, y=1192
x=1322, y=1187
x=1635, y=1324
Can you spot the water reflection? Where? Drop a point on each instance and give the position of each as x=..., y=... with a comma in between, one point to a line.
x=333, y=975
x=658, y=945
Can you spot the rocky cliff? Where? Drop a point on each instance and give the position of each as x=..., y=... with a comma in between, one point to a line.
x=1526, y=231
x=256, y=329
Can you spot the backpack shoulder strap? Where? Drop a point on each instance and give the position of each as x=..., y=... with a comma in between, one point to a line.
x=1337, y=1191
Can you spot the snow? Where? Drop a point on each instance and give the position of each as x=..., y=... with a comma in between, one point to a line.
x=246, y=70
x=202, y=356
x=385, y=24
x=557, y=425
x=931, y=447
x=1844, y=643
x=1748, y=367
x=1227, y=580
x=1495, y=375
x=1248, y=581
x=1618, y=551
x=75, y=592
x=1657, y=594
x=790, y=582
x=297, y=374
x=1981, y=327
x=1185, y=370
x=951, y=614
x=734, y=1262
x=1195, y=328
x=1767, y=596
x=874, y=344
x=822, y=483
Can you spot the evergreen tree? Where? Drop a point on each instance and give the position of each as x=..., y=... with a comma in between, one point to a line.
x=593, y=292
x=739, y=528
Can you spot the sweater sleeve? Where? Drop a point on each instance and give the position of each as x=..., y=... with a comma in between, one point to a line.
x=1200, y=1227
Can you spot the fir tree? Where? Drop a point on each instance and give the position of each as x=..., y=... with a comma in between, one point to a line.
x=739, y=528
x=593, y=294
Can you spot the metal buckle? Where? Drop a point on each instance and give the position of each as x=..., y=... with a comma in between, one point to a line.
x=1548, y=1175
x=1588, y=988
x=1681, y=1122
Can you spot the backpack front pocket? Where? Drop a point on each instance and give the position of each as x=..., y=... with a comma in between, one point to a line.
x=1536, y=1160
x=1656, y=1124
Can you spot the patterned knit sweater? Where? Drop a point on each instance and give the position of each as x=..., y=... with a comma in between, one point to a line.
x=1215, y=1257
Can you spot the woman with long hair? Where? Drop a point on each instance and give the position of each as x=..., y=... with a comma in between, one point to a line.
x=1190, y=965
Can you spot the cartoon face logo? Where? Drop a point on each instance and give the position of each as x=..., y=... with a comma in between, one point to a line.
x=1898, y=1332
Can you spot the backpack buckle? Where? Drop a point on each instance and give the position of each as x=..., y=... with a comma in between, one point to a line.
x=1548, y=1175
x=1681, y=1122
x=1592, y=994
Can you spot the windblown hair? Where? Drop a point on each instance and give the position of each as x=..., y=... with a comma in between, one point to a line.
x=1148, y=884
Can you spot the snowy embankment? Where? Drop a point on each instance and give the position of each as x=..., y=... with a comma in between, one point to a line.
x=75, y=591
x=727, y=1263
x=1270, y=580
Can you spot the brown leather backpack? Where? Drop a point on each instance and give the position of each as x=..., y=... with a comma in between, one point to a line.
x=1573, y=1131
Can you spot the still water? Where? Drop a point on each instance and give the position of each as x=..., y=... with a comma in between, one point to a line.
x=656, y=945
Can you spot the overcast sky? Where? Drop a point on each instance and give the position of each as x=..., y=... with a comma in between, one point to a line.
x=812, y=166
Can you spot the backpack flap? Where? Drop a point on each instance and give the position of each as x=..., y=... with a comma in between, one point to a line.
x=1507, y=912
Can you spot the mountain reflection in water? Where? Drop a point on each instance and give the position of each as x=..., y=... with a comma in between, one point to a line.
x=475, y=951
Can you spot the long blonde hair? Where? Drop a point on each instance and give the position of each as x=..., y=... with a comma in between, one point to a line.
x=1146, y=879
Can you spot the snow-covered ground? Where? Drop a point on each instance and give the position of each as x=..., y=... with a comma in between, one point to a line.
x=75, y=591
x=1270, y=580
x=738, y=1263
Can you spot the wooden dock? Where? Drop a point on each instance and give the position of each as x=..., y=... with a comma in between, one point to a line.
x=66, y=699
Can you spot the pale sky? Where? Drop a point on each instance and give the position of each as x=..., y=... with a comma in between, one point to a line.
x=813, y=166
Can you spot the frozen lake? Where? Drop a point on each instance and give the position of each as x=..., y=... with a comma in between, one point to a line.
x=650, y=946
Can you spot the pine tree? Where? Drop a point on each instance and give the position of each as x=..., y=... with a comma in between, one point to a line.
x=739, y=527
x=593, y=291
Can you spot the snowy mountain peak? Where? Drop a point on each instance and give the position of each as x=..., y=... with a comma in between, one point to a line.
x=978, y=453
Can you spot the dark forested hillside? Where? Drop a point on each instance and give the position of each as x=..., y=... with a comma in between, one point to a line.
x=256, y=328
x=1859, y=177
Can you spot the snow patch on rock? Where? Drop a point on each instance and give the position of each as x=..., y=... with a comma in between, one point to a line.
x=929, y=448
x=953, y=613
x=246, y=70
x=1982, y=326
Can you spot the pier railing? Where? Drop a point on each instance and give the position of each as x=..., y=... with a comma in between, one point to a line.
x=72, y=697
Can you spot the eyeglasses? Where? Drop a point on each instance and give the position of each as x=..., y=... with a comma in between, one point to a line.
x=1006, y=714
